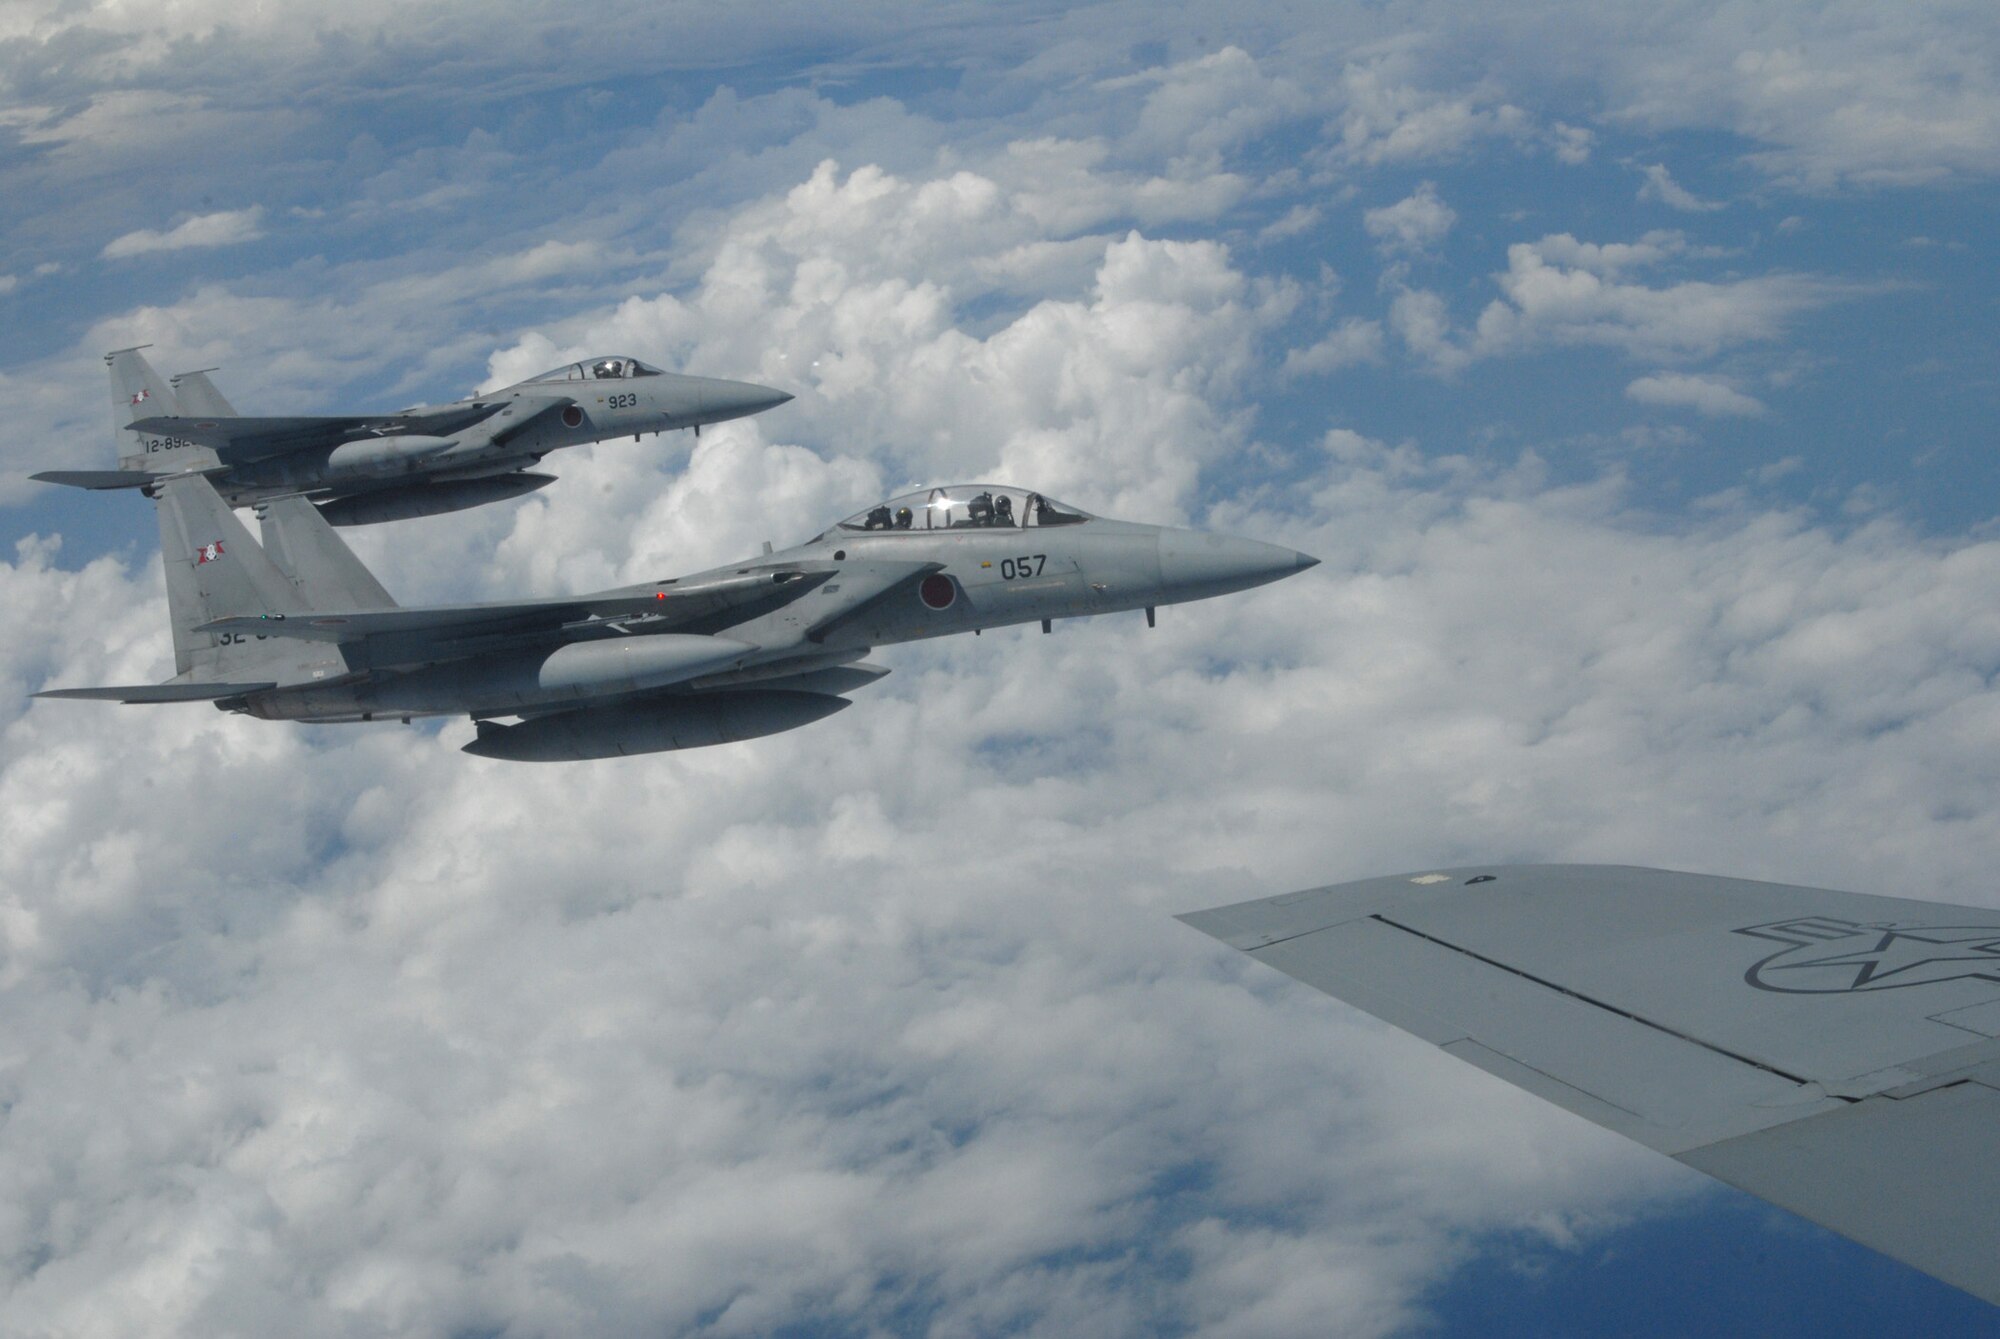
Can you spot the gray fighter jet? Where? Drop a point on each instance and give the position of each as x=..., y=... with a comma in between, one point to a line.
x=299, y=630
x=1834, y=1053
x=390, y=467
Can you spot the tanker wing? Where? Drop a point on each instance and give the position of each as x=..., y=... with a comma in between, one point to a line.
x=1834, y=1053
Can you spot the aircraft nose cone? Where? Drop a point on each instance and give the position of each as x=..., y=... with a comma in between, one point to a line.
x=737, y=399
x=1193, y=565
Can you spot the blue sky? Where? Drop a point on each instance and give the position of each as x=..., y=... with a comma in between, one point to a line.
x=1633, y=375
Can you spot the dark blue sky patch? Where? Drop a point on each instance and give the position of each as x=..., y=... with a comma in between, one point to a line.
x=1733, y=1265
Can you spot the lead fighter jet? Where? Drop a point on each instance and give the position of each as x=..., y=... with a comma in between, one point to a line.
x=298, y=630
x=389, y=467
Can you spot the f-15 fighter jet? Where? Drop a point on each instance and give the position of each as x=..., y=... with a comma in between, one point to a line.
x=299, y=630
x=390, y=467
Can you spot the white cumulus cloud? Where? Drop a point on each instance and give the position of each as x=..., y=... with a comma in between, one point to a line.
x=1354, y=340
x=1561, y=291
x=1413, y=224
x=1661, y=186
x=226, y=228
x=1705, y=395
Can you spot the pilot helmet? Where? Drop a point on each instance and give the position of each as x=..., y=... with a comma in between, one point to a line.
x=903, y=518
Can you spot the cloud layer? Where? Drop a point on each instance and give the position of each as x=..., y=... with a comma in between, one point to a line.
x=204, y=230
x=884, y=1024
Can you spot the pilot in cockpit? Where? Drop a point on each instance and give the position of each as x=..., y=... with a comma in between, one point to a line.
x=1003, y=511
x=903, y=518
x=609, y=367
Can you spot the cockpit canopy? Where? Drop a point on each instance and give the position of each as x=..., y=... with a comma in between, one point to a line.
x=964, y=507
x=614, y=368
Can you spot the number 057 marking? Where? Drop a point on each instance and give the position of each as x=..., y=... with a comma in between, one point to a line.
x=1031, y=566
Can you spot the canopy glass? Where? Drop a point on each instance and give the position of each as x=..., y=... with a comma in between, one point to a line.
x=598, y=369
x=964, y=507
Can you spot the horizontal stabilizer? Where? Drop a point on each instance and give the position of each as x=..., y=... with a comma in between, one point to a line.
x=157, y=692
x=99, y=479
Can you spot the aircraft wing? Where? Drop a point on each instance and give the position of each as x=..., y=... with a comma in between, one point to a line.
x=1835, y=1053
x=235, y=440
x=656, y=607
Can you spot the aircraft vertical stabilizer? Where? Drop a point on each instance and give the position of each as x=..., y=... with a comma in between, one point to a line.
x=138, y=392
x=317, y=562
x=215, y=570
x=199, y=398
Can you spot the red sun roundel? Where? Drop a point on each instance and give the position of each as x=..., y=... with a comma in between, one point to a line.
x=938, y=591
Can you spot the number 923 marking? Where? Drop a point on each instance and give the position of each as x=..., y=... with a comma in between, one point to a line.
x=623, y=400
x=1012, y=569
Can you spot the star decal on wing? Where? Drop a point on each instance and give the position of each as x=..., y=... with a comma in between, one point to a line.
x=1826, y=956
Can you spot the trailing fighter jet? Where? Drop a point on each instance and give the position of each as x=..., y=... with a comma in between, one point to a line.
x=1835, y=1053
x=298, y=630
x=390, y=467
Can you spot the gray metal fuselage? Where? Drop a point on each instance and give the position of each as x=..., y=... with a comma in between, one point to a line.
x=416, y=462
x=514, y=436
x=829, y=601
x=295, y=628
